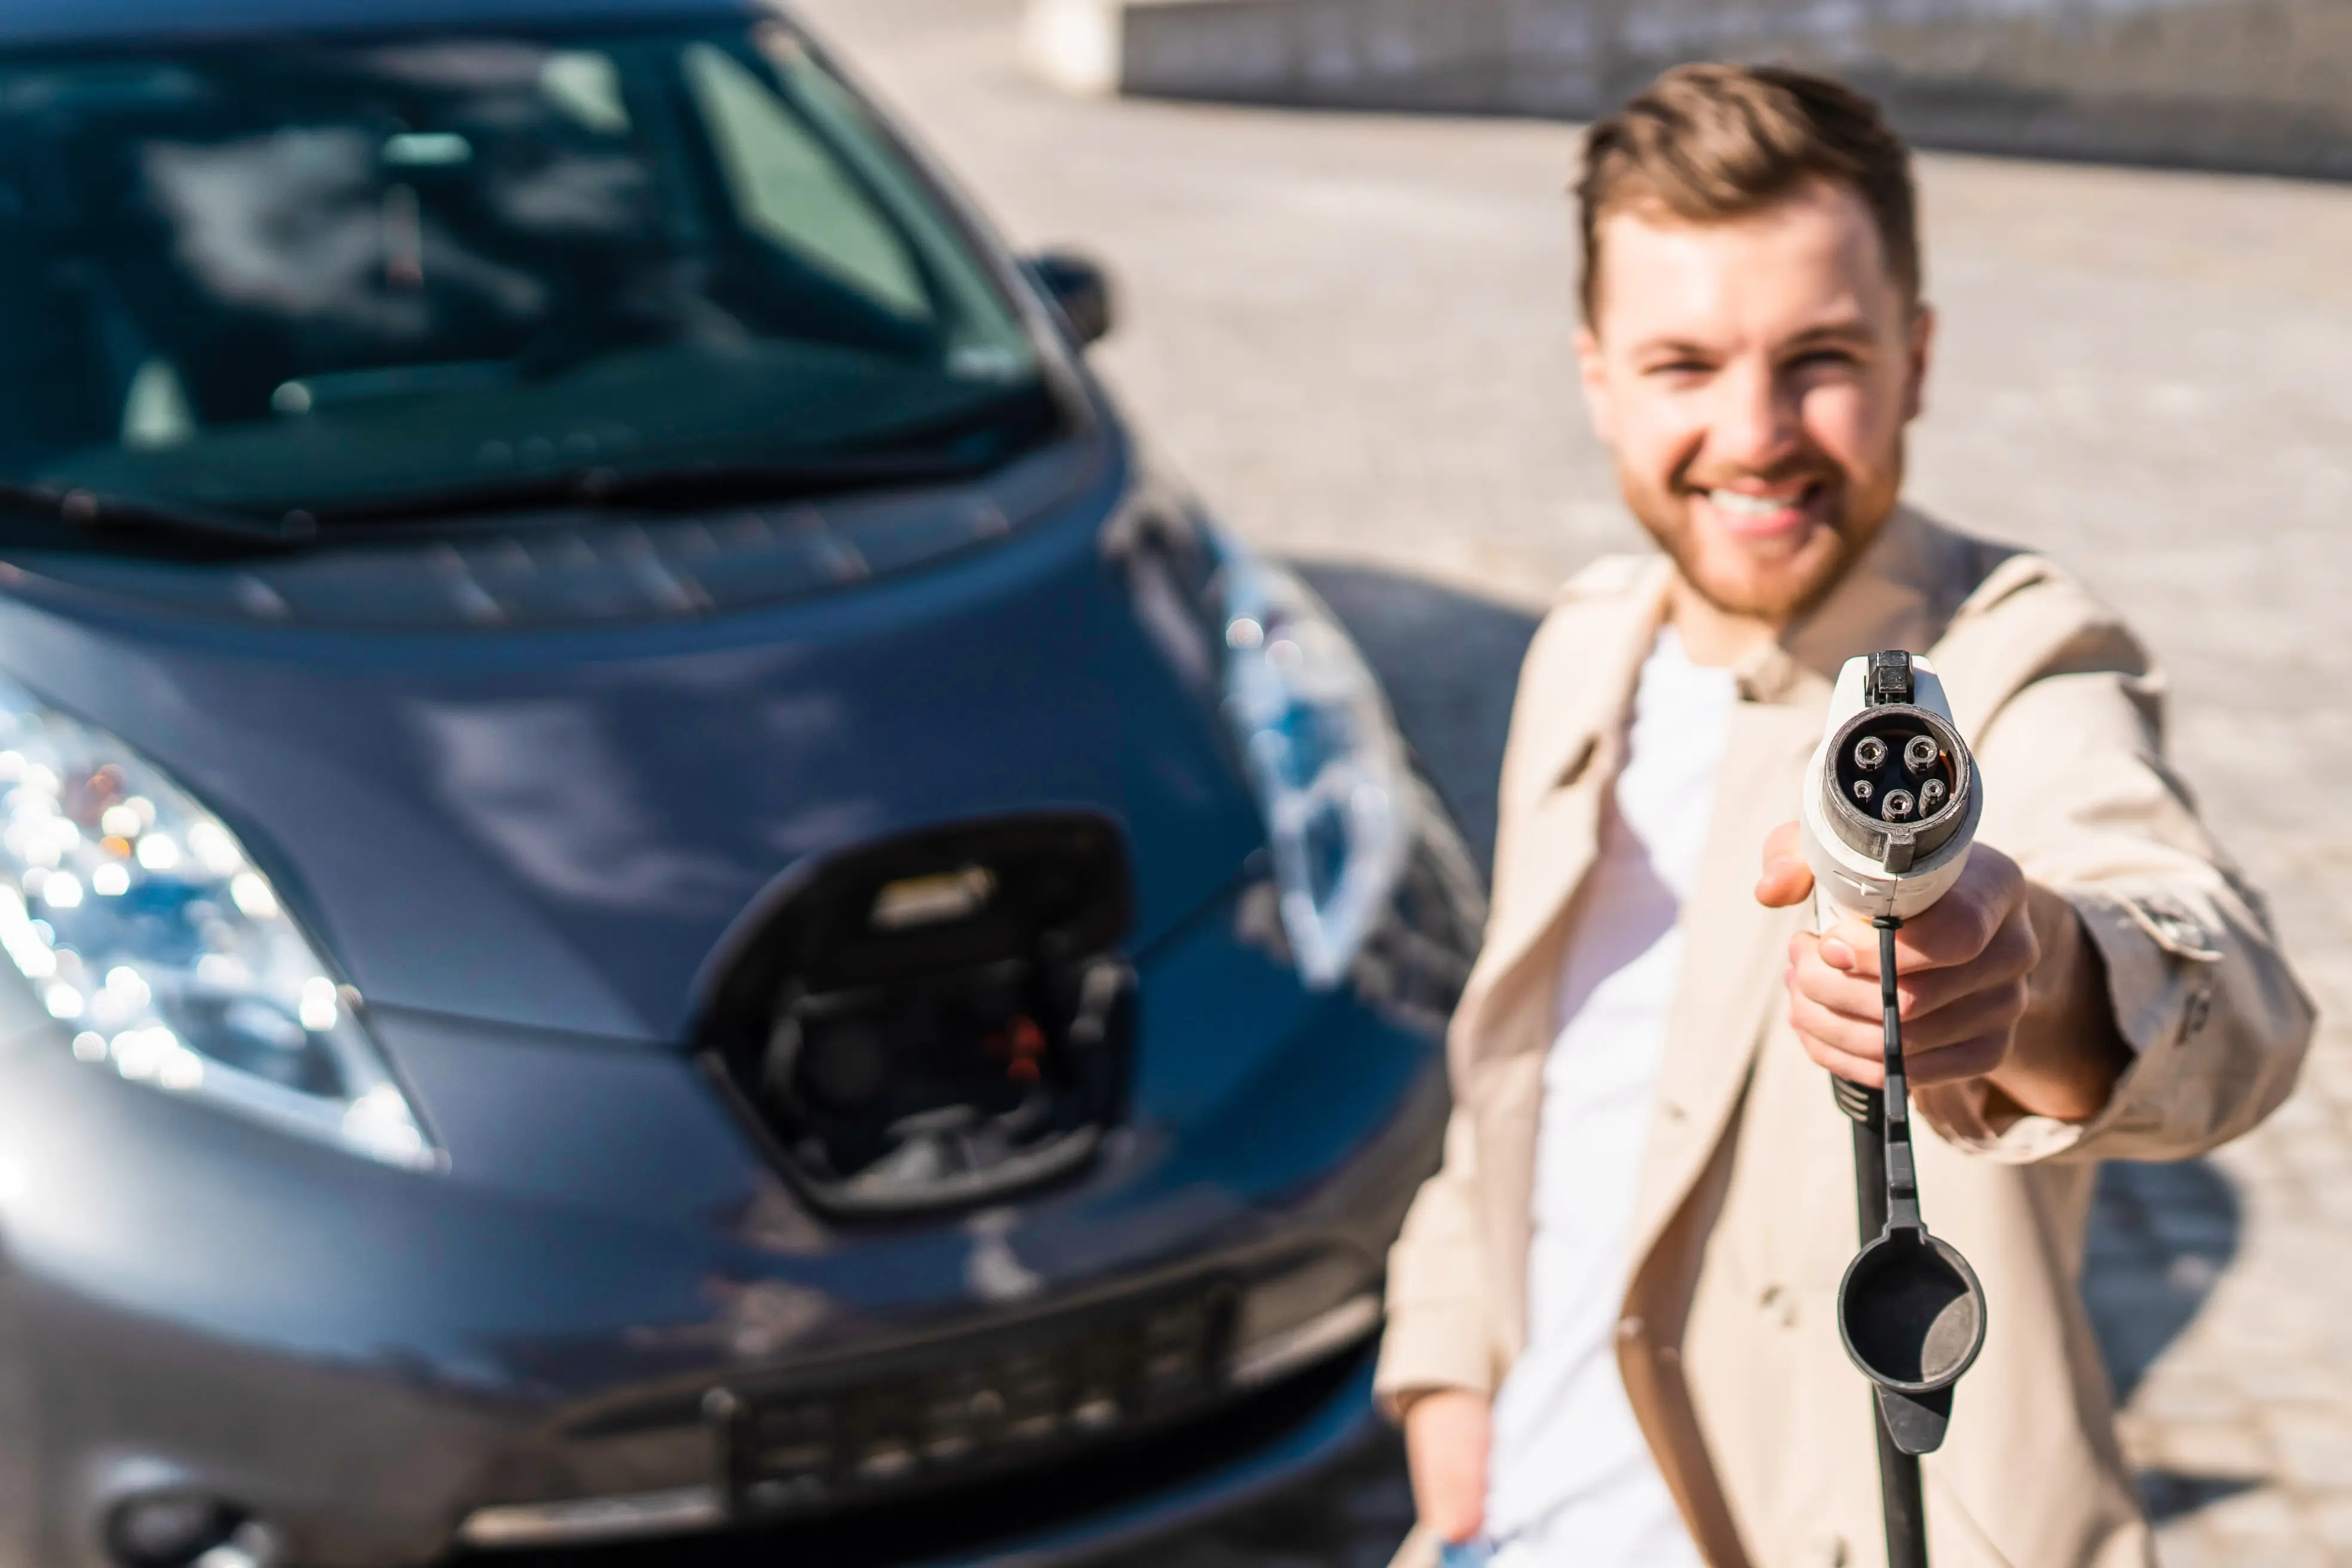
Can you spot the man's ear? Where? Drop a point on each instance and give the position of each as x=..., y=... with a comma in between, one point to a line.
x=1593, y=371
x=1922, y=345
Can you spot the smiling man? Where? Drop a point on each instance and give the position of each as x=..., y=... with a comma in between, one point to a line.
x=1611, y=1340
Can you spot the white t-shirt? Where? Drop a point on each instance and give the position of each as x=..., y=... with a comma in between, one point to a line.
x=1570, y=1482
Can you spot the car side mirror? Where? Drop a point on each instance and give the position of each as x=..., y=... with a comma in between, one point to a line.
x=1080, y=288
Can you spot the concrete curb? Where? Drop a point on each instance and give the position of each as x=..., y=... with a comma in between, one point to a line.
x=2248, y=84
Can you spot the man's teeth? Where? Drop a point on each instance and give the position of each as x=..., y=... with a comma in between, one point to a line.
x=1740, y=505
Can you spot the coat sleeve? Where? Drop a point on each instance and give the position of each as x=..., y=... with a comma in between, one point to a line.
x=2077, y=791
x=1438, y=1335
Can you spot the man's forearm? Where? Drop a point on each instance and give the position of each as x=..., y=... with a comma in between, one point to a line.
x=2068, y=1054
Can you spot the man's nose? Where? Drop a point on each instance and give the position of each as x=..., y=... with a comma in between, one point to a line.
x=1755, y=423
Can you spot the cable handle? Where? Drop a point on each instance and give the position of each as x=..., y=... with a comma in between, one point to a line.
x=1910, y=1310
x=1902, y=1173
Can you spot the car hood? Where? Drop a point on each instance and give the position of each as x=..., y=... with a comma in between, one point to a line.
x=557, y=826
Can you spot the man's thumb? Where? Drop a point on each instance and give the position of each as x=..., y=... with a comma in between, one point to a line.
x=1787, y=880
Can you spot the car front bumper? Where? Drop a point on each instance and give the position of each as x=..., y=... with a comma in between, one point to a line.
x=389, y=1367
x=1294, y=1428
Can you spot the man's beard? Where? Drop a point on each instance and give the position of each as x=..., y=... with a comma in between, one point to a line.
x=1789, y=590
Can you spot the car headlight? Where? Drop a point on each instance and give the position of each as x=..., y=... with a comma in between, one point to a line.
x=143, y=928
x=1323, y=753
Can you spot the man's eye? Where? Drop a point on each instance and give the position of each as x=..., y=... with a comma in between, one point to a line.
x=1680, y=369
x=1825, y=359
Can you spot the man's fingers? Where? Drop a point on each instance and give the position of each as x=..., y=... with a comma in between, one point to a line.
x=1919, y=994
x=1960, y=1060
x=1963, y=1044
x=1956, y=933
x=1841, y=1022
x=1834, y=1033
x=1870, y=1070
x=1944, y=937
x=1952, y=1064
x=1787, y=880
x=1864, y=1034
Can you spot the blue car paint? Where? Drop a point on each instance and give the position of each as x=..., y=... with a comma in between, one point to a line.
x=557, y=827
x=594, y=1190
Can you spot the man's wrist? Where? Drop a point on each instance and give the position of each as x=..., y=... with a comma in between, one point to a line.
x=2067, y=1054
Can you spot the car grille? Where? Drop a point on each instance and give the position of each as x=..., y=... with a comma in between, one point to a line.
x=982, y=1513
x=1025, y=1396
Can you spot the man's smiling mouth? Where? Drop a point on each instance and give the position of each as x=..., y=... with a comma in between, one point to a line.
x=1740, y=503
x=1781, y=516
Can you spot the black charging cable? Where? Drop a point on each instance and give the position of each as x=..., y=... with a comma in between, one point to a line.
x=1889, y=1195
x=1877, y=1135
x=1910, y=1309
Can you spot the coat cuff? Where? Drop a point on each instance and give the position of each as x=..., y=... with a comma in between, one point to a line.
x=1432, y=1347
x=2160, y=956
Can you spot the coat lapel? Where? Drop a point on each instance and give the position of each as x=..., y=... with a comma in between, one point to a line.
x=1581, y=688
x=1575, y=693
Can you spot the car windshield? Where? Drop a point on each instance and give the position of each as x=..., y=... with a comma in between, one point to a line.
x=343, y=276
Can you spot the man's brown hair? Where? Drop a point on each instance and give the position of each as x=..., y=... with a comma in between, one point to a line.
x=1714, y=142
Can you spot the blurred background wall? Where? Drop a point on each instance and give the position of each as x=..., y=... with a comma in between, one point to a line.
x=2242, y=84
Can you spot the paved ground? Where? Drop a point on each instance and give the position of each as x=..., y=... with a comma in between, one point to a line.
x=1352, y=332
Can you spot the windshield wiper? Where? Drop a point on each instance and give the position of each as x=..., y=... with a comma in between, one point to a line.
x=687, y=485
x=89, y=511
x=97, y=510
x=974, y=443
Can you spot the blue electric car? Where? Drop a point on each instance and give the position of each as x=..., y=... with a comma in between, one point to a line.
x=658, y=903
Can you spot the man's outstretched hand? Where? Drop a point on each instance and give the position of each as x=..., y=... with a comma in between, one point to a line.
x=1977, y=999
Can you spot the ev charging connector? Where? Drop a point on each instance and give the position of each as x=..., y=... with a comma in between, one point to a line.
x=1890, y=808
x=1892, y=799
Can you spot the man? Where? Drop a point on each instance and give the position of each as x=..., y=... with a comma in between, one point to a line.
x=1610, y=1337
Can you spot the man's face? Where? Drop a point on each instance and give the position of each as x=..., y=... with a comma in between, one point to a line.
x=1753, y=379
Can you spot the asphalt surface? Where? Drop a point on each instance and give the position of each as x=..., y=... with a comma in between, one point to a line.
x=1351, y=332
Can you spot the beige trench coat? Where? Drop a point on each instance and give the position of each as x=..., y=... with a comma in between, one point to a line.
x=1744, y=1218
